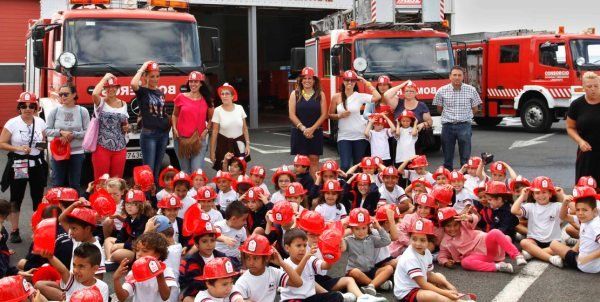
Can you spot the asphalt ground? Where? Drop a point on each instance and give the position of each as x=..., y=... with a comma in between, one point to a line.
x=531, y=155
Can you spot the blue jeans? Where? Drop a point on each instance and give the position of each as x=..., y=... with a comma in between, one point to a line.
x=154, y=146
x=351, y=152
x=451, y=133
x=67, y=173
x=189, y=165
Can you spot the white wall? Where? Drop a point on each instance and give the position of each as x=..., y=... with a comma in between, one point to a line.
x=49, y=7
x=499, y=15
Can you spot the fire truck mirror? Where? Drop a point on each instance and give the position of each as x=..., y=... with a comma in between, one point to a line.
x=297, y=59
x=580, y=61
x=38, y=53
x=360, y=64
x=38, y=33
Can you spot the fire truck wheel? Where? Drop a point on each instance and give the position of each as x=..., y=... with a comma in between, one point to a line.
x=536, y=116
x=488, y=121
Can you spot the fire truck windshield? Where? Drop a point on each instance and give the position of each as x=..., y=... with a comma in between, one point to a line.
x=402, y=57
x=586, y=53
x=128, y=43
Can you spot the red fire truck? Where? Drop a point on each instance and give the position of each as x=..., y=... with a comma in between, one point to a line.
x=531, y=75
x=397, y=38
x=93, y=37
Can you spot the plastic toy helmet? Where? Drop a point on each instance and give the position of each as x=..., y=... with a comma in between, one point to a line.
x=295, y=189
x=162, y=174
x=282, y=212
x=418, y=162
x=446, y=213
x=86, y=215
x=542, y=183
x=206, y=193
x=258, y=171
x=302, y=160
x=422, y=226
x=359, y=217
x=15, y=289
x=143, y=177
x=218, y=268
x=44, y=236
x=257, y=245
x=283, y=170
x=311, y=222
x=88, y=294
x=426, y=200
x=443, y=194
x=170, y=201
x=60, y=150
x=332, y=186
x=146, y=268
x=103, y=203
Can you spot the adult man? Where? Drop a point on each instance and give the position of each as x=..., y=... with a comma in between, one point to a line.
x=457, y=102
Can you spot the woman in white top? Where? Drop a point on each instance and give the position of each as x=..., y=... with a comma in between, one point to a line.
x=345, y=108
x=23, y=137
x=229, y=131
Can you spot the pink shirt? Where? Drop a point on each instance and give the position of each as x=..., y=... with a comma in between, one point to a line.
x=470, y=241
x=192, y=115
x=397, y=247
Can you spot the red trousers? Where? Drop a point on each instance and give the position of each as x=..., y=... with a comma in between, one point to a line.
x=494, y=240
x=106, y=161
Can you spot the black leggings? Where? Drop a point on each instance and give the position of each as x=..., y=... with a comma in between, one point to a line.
x=37, y=183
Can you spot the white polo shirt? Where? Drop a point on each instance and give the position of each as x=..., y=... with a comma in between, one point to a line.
x=72, y=286
x=263, y=287
x=410, y=265
x=147, y=291
x=204, y=296
x=186, y=203
x=412, y=175
x=589, y=242
x=464, y=198
x=543, y=221
x=395, y=197
x=238, y=235
x=311, y=269
x=331, y=212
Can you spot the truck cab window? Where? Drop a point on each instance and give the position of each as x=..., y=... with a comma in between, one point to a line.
x=509, y=54
x=553, y=55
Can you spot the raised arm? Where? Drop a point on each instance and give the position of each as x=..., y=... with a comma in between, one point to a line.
x=368, y=129
x=392, y=95
x=97, y=93
x=376, y=97
x=135, y=81
x=516, y=207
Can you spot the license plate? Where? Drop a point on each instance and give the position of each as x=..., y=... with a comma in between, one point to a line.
x=134, y=155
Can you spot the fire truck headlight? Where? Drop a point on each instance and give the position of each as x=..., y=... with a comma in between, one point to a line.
x=580, y=61
x=67, y=60
x=360, y=64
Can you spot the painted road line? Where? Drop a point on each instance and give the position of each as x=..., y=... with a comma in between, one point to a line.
x=513, y=291
x=531, y=142
x=281, y=134
x=270, y=151
x=272, y=146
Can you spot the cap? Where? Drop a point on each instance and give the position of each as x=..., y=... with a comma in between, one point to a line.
x=359, y=217
x=218, y=268
x=257, y=245
x=143, y=177
x=162, y=223
x=60, y=150
x=146, y=268
x=206, y=193
x=170, y=201
x=229, y=88
x=311, y=222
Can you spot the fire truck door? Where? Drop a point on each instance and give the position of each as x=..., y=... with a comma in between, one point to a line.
x=504, y=72
x=551, y=68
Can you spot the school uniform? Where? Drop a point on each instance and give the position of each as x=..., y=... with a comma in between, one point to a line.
x=224, y=199
x=132, y=228
x=362, y=253
x=5, y=268
x=71, y=286
x=369, y=202
x=396, y=196
x=410, y=265
x=543, y=222
x=589, y=242
x=504, y=220
x=205, y=296
x=147, y=291
x=311, y=269
x=263, y=287
x=412, y=175
x=331, y=212
x=186, y=203
x=462, y=199
x=306, y=180
x=191, y=267
x=257, y=219
x=238, y=235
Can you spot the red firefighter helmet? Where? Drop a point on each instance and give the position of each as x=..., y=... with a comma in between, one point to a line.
x=103, y=203
x=68, y=195
x=359, y=217
x=135, y=196
x=152, y=66
x=330, y=165
x=332, y=186
x=199, y=173
x=408, y=114
x=381, y=213
x=456, y=176
x=330, y=242
x=86, y=215
x=350, y=75
x=282, y=212
x=181, y=177
x=206, y=193
x=443, y=194
x=362, y=178
x=53, y=194
x=446, y=213
x=257, y=245
x=143, y=177
x=44, y=236
x=307, y=72
x=222, y=175
x=412, y=85
x=242, y=179
x=146, y=268
x=587, y=181
x=218, y=268
x=254, y=194
x=422, y=226
x=283, y=170
x=584, y=192
x=311, y=222
x=302, y=160
x=196, y=76
x=295, y=189
x=203, y=227
x=27, y=97
x=45, y=272
x=111, y=82
x=422, y=181
x=474, y=162
x=258, y=171
x=229, y=88
x=384, y=80
x=441, y=171
x=88, y=294
x=390, y=171
x=192, y=219
x=60, y=150
x=496, y=188
x=426, y=200
x=368, y=163
x=542, y=183
x=15, y=289
x=419, y=161
x=518, y=180
x=161, y=176
x=170, y=201
x=498, y=167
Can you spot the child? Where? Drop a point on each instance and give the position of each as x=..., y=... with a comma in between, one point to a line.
x=257, y=175
x=296, y=194
x=329, y=205
x=586, y=257
x=242, y=184
x=473, y=172
x=205, y=239
x=499, y=201
x=463, y=197
x=417, y=166
x=443, y=195
x=164, y=181
x=378, y=136
x=226, y=193
x=161, y=224
x=516, y=185
x=280, y=219
x=483, y=210
x=498, y=171
x=414, y=279
x=181, y=185
x=282, y=178
x=543, y=219
x=302, y=171
x=426, y=209
x=302, y=260
x=407, y=133
x=473, y=249
x=391, y=192
x=418, y=186
x=441, y=176
x=119, y=248
x=169, y=207
x=236, y=166
x=199, y=180
x=233, y=232
x=259, y=205
x=360, y=248
x=260, y=281
x=5, y=268
x=86, y=262
x=361, y=193
x=116, y=187
x=150, y=250
x=218, y=275
x=206, y=199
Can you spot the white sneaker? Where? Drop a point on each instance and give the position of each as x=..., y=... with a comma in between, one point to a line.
x=526, y=255
x=571, y=241
x=369, y=298
x=504, y=267
x=556, y=261
x=519, y=237
x=521, y=260
x=369, y=290
x=349, y=297
x=387, y=285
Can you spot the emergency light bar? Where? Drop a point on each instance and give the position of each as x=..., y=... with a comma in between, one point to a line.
x=175, y=4
x=89, y=2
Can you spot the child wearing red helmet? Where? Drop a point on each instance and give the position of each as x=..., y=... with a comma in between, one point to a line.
x=426, y=207
x=391, y=192
x=463, y=198
x=473, y=172
x=499, y=201
x=170, y=207
x=282, y=178
x=499, y=171
x=226, y=194
x=258, y=204
x=473, y=249
x=330, y=202
x=379, y=136
x=257, y=176
x=361, y=250
x=116, y=188
x=407, y=134
x=233, y=231
x=296, y=195
x=236, y=166
x=164, y=181
x=417, y=168
x=363, y=193
x=330, y=170
x=261, y=281
x=218, y=275
x=181, y=184
x=302, y=171
x=543, y=219
x=199, y=180
x=206, y=200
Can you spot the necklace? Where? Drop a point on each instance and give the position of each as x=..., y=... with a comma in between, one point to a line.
x=307, y=95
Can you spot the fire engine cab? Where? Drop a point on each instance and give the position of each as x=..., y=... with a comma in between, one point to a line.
x=93, y=37
x=403, y=39
x=531, y=75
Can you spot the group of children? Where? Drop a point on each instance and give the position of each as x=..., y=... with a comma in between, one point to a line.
x=230, y=239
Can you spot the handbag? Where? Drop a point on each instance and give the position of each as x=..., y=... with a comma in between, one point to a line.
x=90, y=139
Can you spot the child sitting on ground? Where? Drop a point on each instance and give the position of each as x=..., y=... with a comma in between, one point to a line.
x=218, y=275
x=164, y=181
x=233, y=232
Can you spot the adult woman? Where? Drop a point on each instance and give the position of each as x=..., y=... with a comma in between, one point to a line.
x=23, y=137
x=352, y=144
x=111, y=151
x=410, y=102
x=190, y=132
x=155, y=122
x=582, y=126
x=307, y=111
x=229, y=129
x=68, y=123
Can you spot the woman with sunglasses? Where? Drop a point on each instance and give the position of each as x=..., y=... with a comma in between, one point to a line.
x=111, y=149
x=68, y=124
x=345, y=108
x=192, y=111
x=23, y=137
x=410, y=102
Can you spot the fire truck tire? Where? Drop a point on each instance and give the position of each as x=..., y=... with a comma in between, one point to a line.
x=536, y=116
x=488, y=121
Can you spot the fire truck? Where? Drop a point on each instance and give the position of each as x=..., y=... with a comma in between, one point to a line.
x=527, y=74
x=403, y=39
x=93, y=37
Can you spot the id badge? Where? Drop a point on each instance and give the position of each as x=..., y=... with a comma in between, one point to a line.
x=21, y=169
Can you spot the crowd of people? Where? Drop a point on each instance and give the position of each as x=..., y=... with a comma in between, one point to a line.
x=176, y=235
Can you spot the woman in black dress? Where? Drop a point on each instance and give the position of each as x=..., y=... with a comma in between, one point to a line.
x=307, y=111
x=583, y=122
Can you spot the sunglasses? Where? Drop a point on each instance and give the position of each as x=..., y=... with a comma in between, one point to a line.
x=27, y=106
x=64, y=94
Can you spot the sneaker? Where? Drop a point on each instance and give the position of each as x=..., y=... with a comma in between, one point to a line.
x=387, y=285
x=556, y=261
x=349, y=297
x=526, y=255
x=15, y=237
x=504, y=267
x=521, y=260
x=571, y=241
x=369, y=298
x=519, y=237
x=369, y=290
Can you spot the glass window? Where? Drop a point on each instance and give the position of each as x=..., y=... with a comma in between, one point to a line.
x=326, y=62
x=11, y=74
x=552, y=54
x=509, y=54
x=586, y=53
